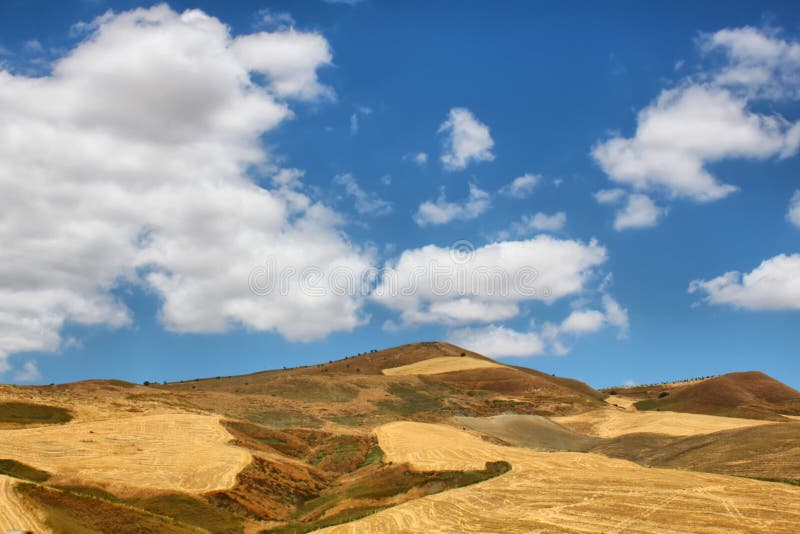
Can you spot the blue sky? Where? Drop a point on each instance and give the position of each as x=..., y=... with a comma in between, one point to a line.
x=134, y=215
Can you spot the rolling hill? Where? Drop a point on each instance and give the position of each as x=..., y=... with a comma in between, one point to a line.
x=748, y=394
x=401, y=436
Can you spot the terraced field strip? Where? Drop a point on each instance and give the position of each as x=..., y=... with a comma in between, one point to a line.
x=442, y=364
x=13, y=514
x=610, y=423
x=569, y=492
x=174, y=452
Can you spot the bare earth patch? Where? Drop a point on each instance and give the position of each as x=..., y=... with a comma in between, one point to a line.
x=441, y=364
x=175, y=452
x=13, y=514
x=574, y=492
x=610, y=423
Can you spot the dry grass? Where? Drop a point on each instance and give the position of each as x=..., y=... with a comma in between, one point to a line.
x=626, y=403
x=555, y=492
x=611, y=422
x=442, y=364
x=14, y=515
x=176, y=452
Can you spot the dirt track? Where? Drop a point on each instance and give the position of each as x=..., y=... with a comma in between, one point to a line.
x=176, y=452
x=442, y=364
x=612, y=422
x=570, y=492
x=13, y=514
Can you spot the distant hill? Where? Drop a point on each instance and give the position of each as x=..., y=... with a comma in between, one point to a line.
x=749, y=394
x=356, y=389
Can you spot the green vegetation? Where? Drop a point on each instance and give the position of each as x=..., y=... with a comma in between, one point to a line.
x=378, y=484
x=789, y=481
x=71, y=513
x=342, y=454
x=22, y=471
x=284, y=419
x=663, y=394
x=346, y=420
x=121, y=383
x=374, y=456
x=310, y=390
x=412, y=400
x=90, y=491
x=24, y=413
x=192, y=511
x=646, y=404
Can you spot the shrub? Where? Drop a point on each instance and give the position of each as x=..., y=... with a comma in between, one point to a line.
x=663, y=394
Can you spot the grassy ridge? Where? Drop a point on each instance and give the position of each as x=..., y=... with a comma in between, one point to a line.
x=71, y=513
x=22, y=471
x=24, y=413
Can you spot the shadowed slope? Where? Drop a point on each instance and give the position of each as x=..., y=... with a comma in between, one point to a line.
x=750, y=394
x=766, y=452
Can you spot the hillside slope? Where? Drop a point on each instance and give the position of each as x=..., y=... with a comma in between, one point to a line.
x=426, y=381
x=750, y=394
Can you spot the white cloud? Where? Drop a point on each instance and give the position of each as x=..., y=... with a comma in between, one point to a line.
x=287, y=58
x=521, y=186
x=269, y=19
x=758, y=62
x=28, y=373
x=420, y=158
x=773, y=285
x=34, y=46
x=365, y=203
x=350, y=3
x=500, y=341
x=638, y=212
x=684, y=130
x=441, y=211
x=793, y=215
x=583, y=322
x=128, y=163
x=467, y=140
x=497, y=341
x=616, y=315
x=531, y=224
x=546, y=223
x=453, y=286
x=288, y=178
x=609, y=196
x=355, y=121
x=708, y=117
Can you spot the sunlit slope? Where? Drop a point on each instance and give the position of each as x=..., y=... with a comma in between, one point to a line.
x=575, y=492
x=441, y=364
x=612, y=422
x=175, y=452
x=14, y=515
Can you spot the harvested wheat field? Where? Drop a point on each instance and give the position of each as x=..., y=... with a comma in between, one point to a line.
x=569, y=492
x=176, y=452
x=442, y=364
x=13, y=514
x=611, y=422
